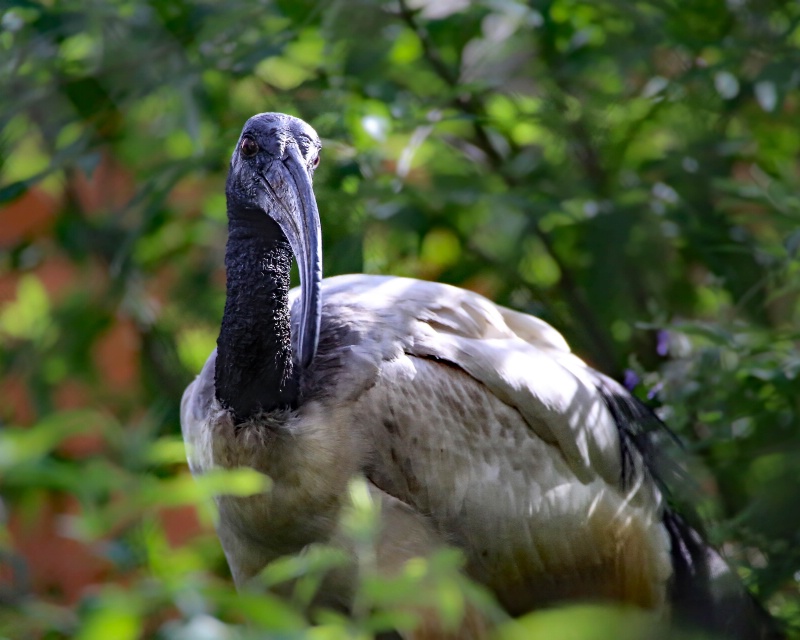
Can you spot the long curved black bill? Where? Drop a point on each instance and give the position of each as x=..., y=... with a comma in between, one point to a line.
x=306, y=242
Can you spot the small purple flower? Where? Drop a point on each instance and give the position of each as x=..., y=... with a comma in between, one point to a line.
x=662, y=342
x=630, y=379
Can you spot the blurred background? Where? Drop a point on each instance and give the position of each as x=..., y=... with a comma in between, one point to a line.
x=627, y=171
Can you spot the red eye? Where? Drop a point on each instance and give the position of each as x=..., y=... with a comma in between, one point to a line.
x=249, y=147
x=316, y=162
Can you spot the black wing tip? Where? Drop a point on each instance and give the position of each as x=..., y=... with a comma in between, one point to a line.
x=638, y=426
x=707, y=594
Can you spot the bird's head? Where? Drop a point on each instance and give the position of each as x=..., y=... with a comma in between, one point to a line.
x=270, y=175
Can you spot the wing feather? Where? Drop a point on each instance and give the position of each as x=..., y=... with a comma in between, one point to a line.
x=483, y=419
x=523, y=360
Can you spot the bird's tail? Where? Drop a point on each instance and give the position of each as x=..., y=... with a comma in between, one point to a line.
x=707, y=593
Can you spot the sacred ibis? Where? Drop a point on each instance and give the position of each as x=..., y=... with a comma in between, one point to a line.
x=472, y=424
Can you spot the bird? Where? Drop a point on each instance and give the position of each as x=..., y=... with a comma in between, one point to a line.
x=472, y=425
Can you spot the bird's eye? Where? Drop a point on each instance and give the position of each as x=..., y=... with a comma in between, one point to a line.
x=316, y=161
x=249, y=147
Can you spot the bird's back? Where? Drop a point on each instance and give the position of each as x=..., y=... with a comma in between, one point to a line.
x=479, y=418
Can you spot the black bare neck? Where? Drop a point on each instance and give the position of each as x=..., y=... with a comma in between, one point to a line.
x=254, y=352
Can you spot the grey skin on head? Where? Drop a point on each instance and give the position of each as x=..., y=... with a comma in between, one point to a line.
x=472, y=425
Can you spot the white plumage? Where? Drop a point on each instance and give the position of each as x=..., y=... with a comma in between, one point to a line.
x=476, y=417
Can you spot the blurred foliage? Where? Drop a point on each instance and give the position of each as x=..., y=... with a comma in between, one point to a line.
x=625, y=170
